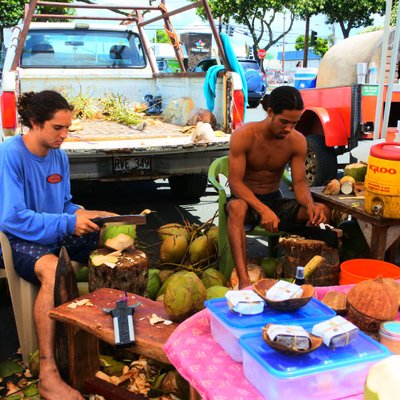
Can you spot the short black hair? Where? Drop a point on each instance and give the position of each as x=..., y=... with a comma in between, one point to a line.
x=283, y=98
x=40, y=107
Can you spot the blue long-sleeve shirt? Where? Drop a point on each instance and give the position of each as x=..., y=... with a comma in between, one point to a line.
x=35, y=194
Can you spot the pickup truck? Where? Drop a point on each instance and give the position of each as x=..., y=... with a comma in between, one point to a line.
x=340, y=113
x=98, y=60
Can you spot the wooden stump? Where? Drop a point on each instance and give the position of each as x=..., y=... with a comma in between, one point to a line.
x=298, y=251
x=130, y=273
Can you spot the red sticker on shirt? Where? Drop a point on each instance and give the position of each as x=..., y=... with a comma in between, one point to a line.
x=55, y=178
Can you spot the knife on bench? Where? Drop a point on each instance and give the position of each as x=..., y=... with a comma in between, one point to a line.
x=329, y=236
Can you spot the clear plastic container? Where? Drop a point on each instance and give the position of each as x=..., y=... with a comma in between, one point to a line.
x=322, y=374
x=389, y=335
x=227, y=326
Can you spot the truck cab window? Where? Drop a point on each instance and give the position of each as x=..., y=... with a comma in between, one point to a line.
x=79, y=48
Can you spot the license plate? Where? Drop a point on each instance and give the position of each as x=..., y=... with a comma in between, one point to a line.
x=128, y=164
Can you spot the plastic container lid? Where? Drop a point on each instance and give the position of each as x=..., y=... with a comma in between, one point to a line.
x=387, y=151
x=362, y=349
x=313, y=312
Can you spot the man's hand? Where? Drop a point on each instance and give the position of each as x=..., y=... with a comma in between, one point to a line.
x=316, y=214
x=269, y=220
x=84, y=223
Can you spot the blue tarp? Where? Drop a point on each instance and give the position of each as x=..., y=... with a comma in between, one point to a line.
x=211, y=76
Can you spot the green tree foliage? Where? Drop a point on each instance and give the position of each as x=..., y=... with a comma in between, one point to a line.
x=321, y=46
x=258, y=16
x=161, y=37
x=10, y=12
x=352, y=14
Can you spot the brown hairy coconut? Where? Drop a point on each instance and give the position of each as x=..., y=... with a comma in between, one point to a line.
x=371, y=302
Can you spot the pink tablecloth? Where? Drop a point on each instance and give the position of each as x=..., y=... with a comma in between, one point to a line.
x=208, y=368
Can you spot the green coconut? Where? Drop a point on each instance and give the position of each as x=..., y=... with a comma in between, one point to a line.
x=356, y=170
x=172, y=229
x=173, y=248
x=213, y=277
x=270, y=266
x=112, y=230
x=82, y=275
x=382, y=380
x=184, y=295
x=153, y=283
x=216, y=292
x=202, y=248
x=212, y=234
x=164, y=274
x=164, y=285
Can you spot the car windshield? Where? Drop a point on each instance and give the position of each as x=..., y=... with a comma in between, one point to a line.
x=246, y=64
x=82, y=49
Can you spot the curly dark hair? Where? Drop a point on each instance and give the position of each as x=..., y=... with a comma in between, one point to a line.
x=40, y=107
x=283, y=98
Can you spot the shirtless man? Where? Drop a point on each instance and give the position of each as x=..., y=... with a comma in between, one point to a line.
x=38, y=216
x=259, y=152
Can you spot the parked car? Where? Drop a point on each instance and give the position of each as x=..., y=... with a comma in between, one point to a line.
x=255, y=78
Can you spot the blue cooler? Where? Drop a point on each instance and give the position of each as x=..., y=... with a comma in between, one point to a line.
x=227, y=326
x=305, y=78
x=322, y=374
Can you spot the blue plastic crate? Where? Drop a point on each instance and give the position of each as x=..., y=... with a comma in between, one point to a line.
x=227, y=326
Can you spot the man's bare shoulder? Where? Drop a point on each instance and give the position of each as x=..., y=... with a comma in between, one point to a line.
x=249, y=128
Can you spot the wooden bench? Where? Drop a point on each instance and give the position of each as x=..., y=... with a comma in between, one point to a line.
x=87, y=324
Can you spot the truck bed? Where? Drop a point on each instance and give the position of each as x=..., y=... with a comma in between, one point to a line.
x=109, y=135
x=108, y=150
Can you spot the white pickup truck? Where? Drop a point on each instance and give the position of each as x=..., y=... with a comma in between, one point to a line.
x=102, y=59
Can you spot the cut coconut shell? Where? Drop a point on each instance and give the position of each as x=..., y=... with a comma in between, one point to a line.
x=316, y=342
x=336, y=300
x=364, y=322
x=263, y=285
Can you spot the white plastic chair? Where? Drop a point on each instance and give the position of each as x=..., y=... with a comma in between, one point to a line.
x=23, y=295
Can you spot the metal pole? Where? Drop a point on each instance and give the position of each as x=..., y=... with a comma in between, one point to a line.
x=393, y=62
x=379, y=100
x=283, y=42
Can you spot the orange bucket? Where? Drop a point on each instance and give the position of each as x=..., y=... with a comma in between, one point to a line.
x=361, y=269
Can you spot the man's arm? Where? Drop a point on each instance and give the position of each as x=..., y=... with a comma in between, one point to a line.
x=301, y=189
x=16, y=218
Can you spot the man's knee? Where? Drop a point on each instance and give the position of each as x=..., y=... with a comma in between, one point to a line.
x=237, y=209
x=45, y=268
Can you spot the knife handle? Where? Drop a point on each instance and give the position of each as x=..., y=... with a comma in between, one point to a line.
x=98, y=221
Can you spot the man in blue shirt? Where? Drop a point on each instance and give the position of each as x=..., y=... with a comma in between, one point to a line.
x=38, y=216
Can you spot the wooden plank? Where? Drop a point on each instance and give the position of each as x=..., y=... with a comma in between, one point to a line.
x=65, y=289
x=83, y=355
x=149, y=338
x=109, y=391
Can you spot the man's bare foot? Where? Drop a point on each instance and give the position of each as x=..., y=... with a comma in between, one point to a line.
x=52, y=387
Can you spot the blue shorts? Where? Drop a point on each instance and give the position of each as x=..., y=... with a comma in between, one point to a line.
x=25, y=254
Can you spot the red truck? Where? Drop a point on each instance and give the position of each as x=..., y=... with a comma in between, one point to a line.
x=338, y=112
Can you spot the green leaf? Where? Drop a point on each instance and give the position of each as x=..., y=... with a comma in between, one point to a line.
x=8, y=368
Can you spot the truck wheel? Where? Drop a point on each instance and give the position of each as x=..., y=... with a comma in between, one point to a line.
x=190, y=187
x=253, y=103
x=321, y=161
